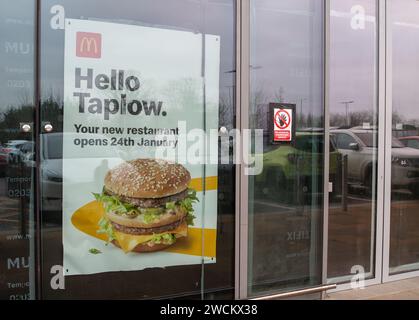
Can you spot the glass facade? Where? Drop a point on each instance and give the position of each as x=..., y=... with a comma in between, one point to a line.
x=197, y=281
x=17, y=95
x=227, y=149
x=286, y=198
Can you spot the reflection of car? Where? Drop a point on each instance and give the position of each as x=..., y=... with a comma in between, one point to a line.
x=29, y=160
x=411, y=142
x=361, y=148
x=3, y=161
x=292, y=170
x=24, y=150
x=12, y=149
x=78, y=169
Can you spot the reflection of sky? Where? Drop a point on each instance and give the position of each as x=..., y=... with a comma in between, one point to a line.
x=216, y=18
x=189, y=15
x=16, y=67
x=353, y=58
x=404, y=19
x=287, y=57
x=287, y=50
x=286, y=47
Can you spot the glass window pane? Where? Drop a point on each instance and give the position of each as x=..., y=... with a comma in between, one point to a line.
x=286, y=198
x=206, y=50
x=353, y=120
x=404, y=48
x=16, y=147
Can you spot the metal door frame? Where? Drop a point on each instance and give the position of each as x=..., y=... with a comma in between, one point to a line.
x=243, y=33
x=381, y=101
x=242, y=121
x=387, y=277
x=385, y=109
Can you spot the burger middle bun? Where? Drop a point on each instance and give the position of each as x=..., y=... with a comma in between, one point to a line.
x=147, y=178
x=164, y=219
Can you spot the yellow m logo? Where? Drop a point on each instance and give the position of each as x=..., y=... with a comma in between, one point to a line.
x=87, y=43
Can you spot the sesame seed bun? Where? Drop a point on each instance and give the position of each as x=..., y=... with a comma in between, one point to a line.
x=147, y=179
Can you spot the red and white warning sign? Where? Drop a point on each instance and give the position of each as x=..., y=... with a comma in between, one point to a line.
x=283, y=125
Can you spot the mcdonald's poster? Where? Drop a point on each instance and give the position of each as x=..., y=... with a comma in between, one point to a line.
x=138, y=191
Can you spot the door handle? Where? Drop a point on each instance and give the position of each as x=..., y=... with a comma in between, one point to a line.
x=297, y=293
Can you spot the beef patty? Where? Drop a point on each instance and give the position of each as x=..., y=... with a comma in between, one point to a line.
x=147, y=231
x=149, y=203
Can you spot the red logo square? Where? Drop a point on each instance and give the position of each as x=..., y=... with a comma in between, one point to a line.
x=89, y=45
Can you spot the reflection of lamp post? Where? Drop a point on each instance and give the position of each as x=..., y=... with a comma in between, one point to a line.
x=301, y=108
x=347, y=103
x=231, y=97
x=233, y=87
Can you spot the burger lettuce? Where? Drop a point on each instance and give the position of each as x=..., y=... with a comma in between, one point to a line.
x=105, y=227
x=166, y=238
x=113, y=204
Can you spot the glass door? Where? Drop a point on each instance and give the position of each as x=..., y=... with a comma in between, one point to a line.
x=134, y=200
x=355, y=128
x=17, y=148
x=286, y=189
x=402, y=224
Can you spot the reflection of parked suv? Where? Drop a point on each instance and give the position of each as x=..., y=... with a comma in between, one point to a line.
x=12, y=149
x=361, y=148
x=77, y=174
x=290, y=171
x=3, y=161
x=411, y=142
x=24, y=150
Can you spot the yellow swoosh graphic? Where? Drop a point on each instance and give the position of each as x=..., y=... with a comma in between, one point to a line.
x=211, y=183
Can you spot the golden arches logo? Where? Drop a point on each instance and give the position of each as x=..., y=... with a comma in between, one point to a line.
x=89, y=45
x=86, y=45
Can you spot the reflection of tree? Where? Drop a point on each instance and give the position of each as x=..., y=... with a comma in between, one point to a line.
x=226, y=112
x=25, y=97
x=259, y=109
x=184, y=95
x=259, y=117
x=52, y=111
x=279, y=94
x=10, y=122
x=355, y=119
x=397, y=118
x=11, y=118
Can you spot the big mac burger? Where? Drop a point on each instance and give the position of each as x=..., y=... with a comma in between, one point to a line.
x=148, y=205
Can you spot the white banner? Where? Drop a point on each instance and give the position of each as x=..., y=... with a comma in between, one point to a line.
x=129, y=93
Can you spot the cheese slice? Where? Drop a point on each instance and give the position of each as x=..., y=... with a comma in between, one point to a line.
x=128, y=242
